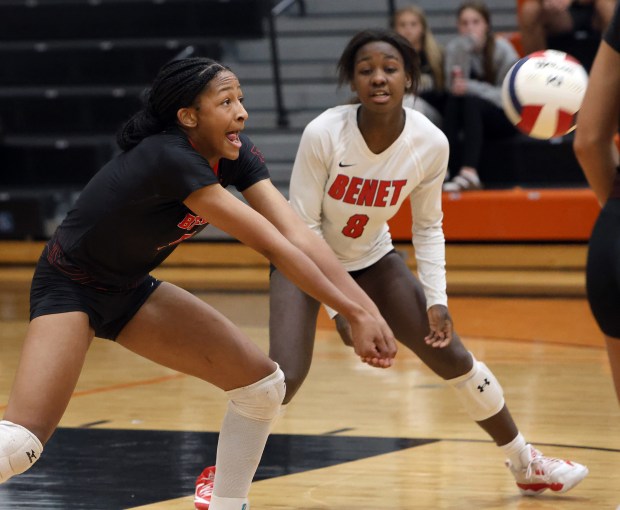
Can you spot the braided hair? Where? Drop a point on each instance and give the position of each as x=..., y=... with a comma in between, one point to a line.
x=430, y=48
x=176, y=86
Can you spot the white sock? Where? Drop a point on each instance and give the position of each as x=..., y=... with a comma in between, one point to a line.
x=239, y=450
x=244, y=432
x=517, y=452
x=218, y=503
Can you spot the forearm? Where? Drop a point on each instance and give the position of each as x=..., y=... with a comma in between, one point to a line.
x=266, y=199
x=598, y=159
x=323, y=256
x=598, y=122
x=430, y=257
x=427, y=232
x=302, y=271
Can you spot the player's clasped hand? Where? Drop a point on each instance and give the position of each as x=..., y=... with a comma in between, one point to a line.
x=373, y=343
x=441, y=326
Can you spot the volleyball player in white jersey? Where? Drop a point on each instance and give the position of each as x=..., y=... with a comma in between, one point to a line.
x=355, y=166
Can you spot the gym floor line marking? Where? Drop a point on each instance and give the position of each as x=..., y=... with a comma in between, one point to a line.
x=536, y=444
x=114, y=387
x=92, y=424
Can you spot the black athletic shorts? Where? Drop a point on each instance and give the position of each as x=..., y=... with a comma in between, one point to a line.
x=108, y=310
x=603, y=269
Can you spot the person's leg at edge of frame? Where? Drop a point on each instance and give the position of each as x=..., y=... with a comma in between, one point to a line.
x=52, y=357
x=173, y=328
x=480, y=394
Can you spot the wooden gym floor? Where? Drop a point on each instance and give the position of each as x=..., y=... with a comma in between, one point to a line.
x=136, y=435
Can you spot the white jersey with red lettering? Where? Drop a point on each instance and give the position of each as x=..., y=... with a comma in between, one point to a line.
x=346, y=193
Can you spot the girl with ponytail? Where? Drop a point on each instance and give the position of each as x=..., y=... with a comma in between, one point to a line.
x=179, y=153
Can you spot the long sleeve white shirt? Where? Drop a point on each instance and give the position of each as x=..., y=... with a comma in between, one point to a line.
x=346, y=193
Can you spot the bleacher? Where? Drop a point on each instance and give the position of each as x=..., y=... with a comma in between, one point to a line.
x=73, y=71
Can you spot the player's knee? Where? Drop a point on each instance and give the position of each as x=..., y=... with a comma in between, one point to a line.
x=479, y=392
x=261, y=400
x=19, y=449
x=295, y=373
x=294, y=381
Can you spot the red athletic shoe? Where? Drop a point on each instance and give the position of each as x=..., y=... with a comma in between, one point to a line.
x=204, y=489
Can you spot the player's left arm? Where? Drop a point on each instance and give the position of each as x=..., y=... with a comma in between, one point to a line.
x=429, y=244
x=598, y=123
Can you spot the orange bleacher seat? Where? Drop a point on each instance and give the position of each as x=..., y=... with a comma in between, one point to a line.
x=511, y=215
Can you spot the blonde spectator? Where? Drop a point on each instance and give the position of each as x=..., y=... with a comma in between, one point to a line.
x=411, y=23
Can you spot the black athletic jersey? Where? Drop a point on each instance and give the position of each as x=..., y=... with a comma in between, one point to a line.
x=612, y=34
x=131, y=215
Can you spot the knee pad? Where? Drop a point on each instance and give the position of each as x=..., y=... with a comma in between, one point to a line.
x=479, y=392
x=19, y=449
x=261, y=400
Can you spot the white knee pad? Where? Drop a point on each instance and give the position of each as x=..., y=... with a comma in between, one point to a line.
x=479, y=392
x=261, y=400
x=19, y=449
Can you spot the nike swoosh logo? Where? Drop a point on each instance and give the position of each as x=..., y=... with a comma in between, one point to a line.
x=342, y=165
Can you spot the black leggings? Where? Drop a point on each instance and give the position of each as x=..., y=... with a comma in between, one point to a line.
x=603, y=269
x=468, y=121
x=400, y=298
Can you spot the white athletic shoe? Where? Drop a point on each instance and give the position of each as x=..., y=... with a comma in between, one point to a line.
x=544, y=473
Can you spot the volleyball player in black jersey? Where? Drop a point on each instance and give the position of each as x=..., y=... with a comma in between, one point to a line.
x=92, y=279
x=594, y=146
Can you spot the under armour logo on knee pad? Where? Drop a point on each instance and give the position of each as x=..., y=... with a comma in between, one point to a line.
x=485, y=383
x=32, y=456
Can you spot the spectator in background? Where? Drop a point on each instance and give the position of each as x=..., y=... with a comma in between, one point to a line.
x=429, y=99
x=476, y=63
x=540, y=19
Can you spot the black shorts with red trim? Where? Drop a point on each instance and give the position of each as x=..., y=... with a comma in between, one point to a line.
x=108, y=310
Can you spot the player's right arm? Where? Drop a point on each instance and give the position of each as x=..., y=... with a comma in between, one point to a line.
x=598, y=123
x=229, y=214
